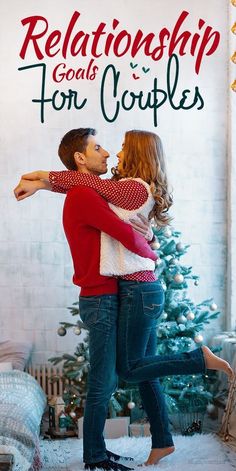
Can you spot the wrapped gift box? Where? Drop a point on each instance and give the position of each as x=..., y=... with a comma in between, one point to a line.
x=139, y=429
x=114, y=428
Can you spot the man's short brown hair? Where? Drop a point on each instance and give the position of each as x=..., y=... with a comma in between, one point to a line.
x=74, y=141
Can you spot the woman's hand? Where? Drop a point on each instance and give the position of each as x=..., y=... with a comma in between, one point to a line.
x=143, y=226
x=36, y=175
x=26, y=188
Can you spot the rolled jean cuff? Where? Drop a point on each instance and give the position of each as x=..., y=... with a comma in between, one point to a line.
x=200, y=355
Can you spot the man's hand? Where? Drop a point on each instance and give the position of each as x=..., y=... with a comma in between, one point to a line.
x=143, y=226
x=26, y=188
x=36, y=175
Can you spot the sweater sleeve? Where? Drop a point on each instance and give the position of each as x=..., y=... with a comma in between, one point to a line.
x=128, y=194
x=96, y=213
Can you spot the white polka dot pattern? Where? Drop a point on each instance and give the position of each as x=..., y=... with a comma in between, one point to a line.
x=128, y=194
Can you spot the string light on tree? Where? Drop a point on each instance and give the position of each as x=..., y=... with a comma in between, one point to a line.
x=233, y=86
x=233, y=58
x=233, y=2
x=233, y=29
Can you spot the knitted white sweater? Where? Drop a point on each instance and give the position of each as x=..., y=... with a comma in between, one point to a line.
x=115, y=259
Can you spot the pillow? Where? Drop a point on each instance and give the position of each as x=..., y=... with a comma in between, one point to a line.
x=5, y=366
x=18, y=353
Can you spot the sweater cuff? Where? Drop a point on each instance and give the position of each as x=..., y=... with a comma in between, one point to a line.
x=52, y=181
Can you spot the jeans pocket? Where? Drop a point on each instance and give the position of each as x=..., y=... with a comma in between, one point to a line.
x=153, y=303
x=89, y=310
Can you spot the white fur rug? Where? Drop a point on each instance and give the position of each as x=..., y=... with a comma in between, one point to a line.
x=194, y=453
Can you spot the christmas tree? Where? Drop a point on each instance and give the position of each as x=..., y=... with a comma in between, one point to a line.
x=180, y=329
x=182, y=323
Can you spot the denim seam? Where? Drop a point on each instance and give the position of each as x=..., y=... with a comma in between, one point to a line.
x=158, y=408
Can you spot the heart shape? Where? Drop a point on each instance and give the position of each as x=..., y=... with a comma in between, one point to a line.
x=135, y=77
x=145, y=70
x=133, y=65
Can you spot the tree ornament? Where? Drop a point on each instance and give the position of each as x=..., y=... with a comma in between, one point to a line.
x=131, y=405
x=233, y=57
x=190, y=316
x=77, y=330
x=80, y=359
x=155, y=245
x=213, y=307
x=233, y=86
x=181, y=319
x=196, y=282
x=164, y=315
x=198, y=338
x=179, y=247
x=61, y=331
x=233, y=29
x=233, y=2
x=167, y=232
x=211, y=408
x=179, y=278
x=73, y=415
x=173, y=261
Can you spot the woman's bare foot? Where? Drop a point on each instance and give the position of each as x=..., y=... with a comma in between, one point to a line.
x=213, y=362
x=156, y=454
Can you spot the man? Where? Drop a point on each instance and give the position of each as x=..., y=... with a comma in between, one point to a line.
x=85, y=215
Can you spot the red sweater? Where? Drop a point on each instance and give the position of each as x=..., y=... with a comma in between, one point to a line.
x=85, y=215
x=125, y=193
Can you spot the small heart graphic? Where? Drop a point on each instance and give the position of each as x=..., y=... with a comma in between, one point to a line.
x=133, y=65
x=145, y=70
x=135, y=77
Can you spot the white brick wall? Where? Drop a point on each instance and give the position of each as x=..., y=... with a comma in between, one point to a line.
x=35, y=265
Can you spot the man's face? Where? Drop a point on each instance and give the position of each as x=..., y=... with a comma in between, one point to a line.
x=95, y=157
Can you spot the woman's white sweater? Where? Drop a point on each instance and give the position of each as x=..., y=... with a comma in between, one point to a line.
x=115, y=259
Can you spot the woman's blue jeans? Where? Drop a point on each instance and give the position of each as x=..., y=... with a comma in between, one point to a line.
x=140, y=306
x=99, y=314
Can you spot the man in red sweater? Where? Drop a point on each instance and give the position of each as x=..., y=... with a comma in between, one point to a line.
x=85, y=215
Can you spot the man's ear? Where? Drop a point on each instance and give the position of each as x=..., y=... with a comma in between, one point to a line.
x=79, y=158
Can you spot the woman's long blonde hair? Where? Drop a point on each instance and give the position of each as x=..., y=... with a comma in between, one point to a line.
x=144, y=158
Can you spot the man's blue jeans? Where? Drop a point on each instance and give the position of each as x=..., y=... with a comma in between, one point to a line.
x=99, y=314
x=141, y=304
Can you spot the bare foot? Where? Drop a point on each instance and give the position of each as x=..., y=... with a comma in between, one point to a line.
x=213, y=362
x=156, y=454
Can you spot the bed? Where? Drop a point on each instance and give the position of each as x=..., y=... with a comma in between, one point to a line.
x=22, y=403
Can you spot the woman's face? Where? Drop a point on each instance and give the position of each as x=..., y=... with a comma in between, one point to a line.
x=120, y=156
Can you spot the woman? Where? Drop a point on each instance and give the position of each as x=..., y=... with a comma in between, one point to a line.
x=140, y=185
